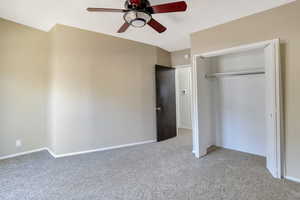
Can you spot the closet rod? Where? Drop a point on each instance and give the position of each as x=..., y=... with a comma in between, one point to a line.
x=239, y=73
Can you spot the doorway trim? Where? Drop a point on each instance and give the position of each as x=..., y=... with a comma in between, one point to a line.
x=279, y=168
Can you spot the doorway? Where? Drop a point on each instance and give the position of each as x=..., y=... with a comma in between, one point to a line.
x=184, y=101
x=234, y=91
x=173, y=103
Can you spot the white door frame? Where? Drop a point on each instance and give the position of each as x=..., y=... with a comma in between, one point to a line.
x=278, y=135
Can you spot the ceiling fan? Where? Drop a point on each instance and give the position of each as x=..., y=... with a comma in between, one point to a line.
x=138, y=13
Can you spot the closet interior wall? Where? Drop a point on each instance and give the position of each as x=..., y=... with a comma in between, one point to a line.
x=237, y=102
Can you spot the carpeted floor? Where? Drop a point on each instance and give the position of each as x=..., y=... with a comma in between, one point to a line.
x=158, y=171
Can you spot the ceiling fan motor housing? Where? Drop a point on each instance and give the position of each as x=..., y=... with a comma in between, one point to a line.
x=137, y=4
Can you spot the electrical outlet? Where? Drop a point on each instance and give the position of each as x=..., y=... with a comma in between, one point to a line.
x=18, y=143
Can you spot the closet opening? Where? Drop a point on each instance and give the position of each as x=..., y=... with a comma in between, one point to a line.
x=236, y=102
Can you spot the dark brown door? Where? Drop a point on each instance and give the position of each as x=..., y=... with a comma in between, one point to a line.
x=165, y=102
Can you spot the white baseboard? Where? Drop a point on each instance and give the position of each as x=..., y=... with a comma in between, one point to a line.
x=240, y=150
x=100, y=149
x=292, y=179
x=76, y=153
x=51, y=153
x=22, y=153
x=185, y=127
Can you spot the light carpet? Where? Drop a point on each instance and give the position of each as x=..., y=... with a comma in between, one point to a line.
x=159, y=171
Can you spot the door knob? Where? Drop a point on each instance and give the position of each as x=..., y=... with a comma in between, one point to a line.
x=158, y=108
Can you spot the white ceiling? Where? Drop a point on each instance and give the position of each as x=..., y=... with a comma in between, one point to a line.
x=201, y=14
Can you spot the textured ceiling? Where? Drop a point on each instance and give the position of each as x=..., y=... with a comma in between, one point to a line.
x=201, y=14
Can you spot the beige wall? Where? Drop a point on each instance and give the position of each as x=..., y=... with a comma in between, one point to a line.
x=23, y=68
x=102, y=90
x=178, y=57
x=283, y=23
x=73, y=90
x=163, y=57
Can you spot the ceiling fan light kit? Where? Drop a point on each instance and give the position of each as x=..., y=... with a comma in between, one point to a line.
x=137, y=19
x=138, y=13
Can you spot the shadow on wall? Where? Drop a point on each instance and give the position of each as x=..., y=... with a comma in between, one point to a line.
x=283, y=75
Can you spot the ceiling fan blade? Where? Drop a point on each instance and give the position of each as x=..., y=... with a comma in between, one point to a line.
x=123, y=28
x=156, y=25
x=105, y=10
x=179, y=6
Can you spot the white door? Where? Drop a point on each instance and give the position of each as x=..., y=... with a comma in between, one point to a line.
x=272, y=105
x=183, y=91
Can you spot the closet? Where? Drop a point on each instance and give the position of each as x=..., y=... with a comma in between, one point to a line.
x=236, y=101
